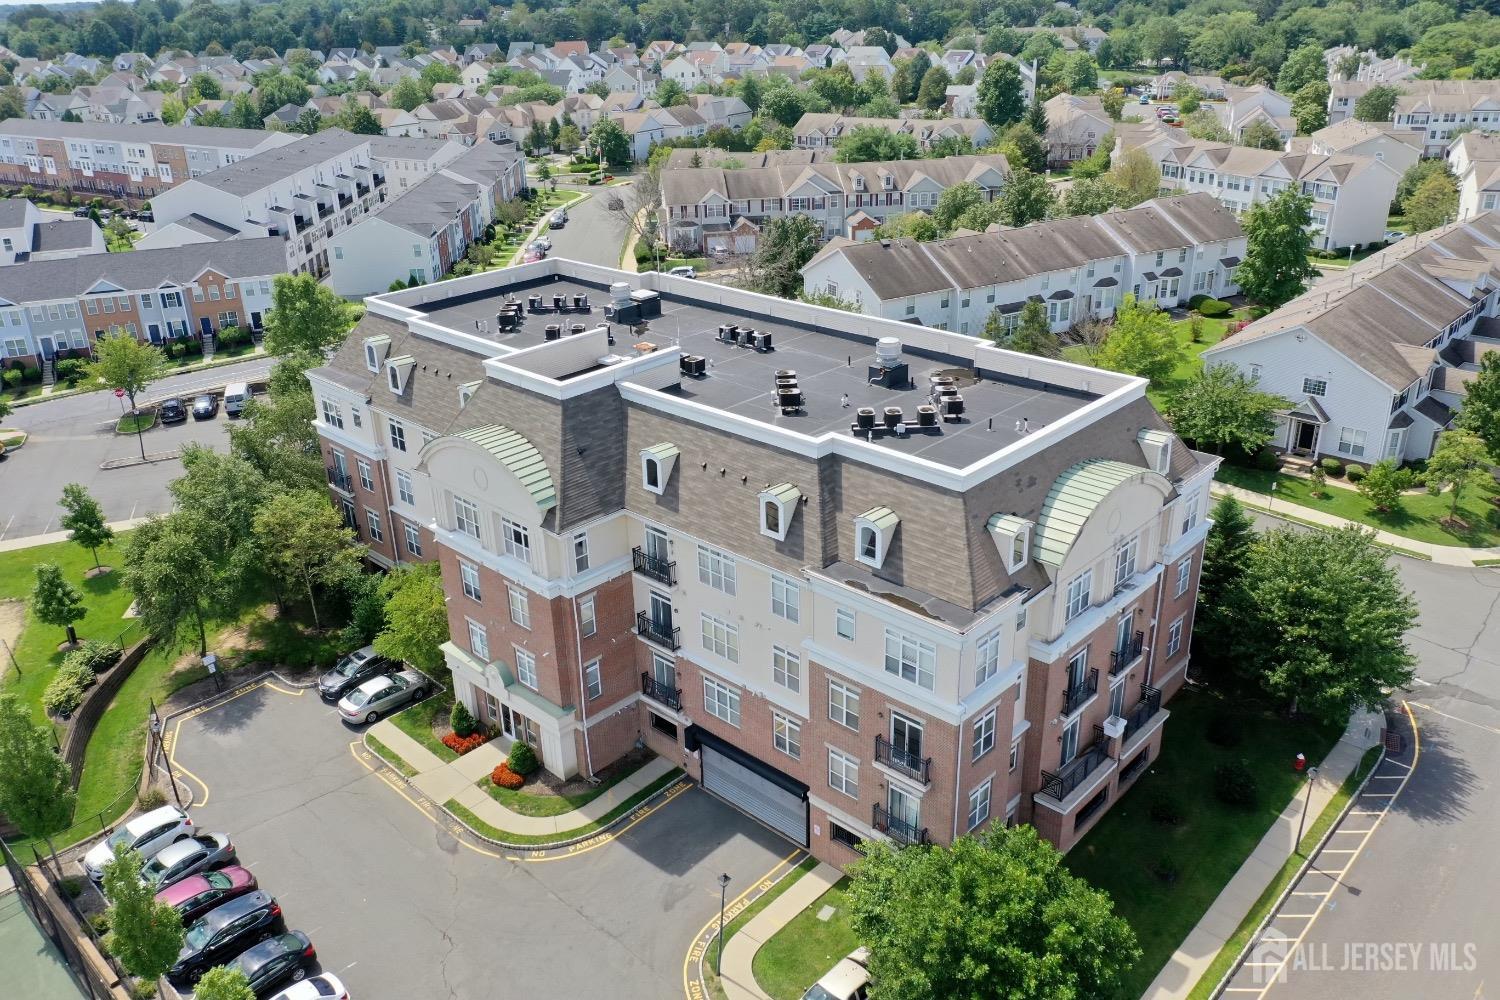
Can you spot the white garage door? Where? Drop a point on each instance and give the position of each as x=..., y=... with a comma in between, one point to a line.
x=781, y=810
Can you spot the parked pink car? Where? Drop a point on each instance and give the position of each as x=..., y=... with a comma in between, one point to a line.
x=197, y=894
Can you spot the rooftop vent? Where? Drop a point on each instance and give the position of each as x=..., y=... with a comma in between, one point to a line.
x=888, y=351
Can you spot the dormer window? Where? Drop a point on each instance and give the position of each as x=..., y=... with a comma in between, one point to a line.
x=1012, y=538
x=888, y=182
x=657, y=463
x=859, y=182
x=466, y=392
x=1156, y=446
x=398, y=371
x=874, y=530
x=778, y=505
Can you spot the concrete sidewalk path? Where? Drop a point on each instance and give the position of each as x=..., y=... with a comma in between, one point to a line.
x=441, y=780
x=738, y=978
x=1202, y=945
x=31, y=541
x=1446, y=555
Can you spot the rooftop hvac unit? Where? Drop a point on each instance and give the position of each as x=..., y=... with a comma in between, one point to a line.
x=693, y=364
x=888, y=351
x=554, y=331
x=647, y=302
x=864, y=418
x=763, y=341
x=892, y=417
x=926, y=416
x=576, y=328
x=953, y=405
x=619, y=294
x=789, y=397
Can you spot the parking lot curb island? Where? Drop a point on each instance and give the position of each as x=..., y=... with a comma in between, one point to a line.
x=738, y=979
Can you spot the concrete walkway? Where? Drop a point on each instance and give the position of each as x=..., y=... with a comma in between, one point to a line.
x=29, y=541
x=738, y=979
x=441, y=780
x=1202, y=945
x=1446, y=555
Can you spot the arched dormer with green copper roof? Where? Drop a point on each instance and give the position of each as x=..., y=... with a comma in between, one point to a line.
x=494, y=472
x=1090, y=508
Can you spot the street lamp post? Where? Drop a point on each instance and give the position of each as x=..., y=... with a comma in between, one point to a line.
x=1299, y=764
x=719, y=955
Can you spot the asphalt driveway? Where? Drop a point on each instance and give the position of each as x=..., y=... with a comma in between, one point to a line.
x=399, y=907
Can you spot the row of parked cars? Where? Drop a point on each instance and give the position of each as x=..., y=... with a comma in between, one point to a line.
x=205, y=406
x=229, y=919
x=367, y=686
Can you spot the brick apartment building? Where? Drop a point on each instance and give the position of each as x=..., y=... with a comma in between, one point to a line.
x=897, y=595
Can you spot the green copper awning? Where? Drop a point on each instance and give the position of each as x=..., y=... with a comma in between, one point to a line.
x=519, y=456
x=1073, y=498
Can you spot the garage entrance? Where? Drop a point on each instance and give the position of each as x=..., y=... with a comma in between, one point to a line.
x=754, y=787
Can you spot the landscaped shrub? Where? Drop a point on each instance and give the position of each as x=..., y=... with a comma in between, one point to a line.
x=65, y=691
x=72, y=886
x=1234, y=784
x=13, y=377
x=523, y=759
x=144, y=989
x=99, y=922
x=504, y=777
x=1267, y=460
x=1225, y=730
x=151, y=798
x=1356, y=473
x=462, y=720
x=1198, y=300
x=1213, y=307
x=1166, y=810
x=1333, y=467
x=463, y=744
x=32, y=374
x=95, y=656
x=70, y=370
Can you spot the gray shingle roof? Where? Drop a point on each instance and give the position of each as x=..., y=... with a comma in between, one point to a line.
x=429, y=205
x=70, y=277
x=13, y=212
x=196, y=135
x=254, y=173
x=64, y=234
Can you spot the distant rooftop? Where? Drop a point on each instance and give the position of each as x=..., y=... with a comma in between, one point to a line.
x=256, y=172
x=181, y=135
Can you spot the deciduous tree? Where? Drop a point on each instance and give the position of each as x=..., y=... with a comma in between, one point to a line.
x=1137, y=177
x=611, y=142
x=1091, y=197
x=305, y=316
x=305, y=542
x=1303, y=65
x=55, y=601
x=36, y=784
x=1141, y=343
x=1383, y=485
x=1027, y=198
x=1378, y=104
x=1325, y=621
x=275, y=434
x=416, y=617
x=1310, y=107
x=873, y=142
x=786, y=243
x=171, y=577
x=1434, y=203
x=1222, y=406
x=1275, y=268
x=999, y=99
x=84, y=520
x=1261, y=135
x=1481, y=409
x=1029, y=926
x=223, y=982
x=1460, y=461
x=124, y=363
x=145, y=933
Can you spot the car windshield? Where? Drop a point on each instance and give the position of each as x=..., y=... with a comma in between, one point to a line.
x=349, y=664
x=154, y=869
x=204, y=401
x=198, y=935
x=218, y=880
x=120, y=836
x=359, y=697
x=818, y=993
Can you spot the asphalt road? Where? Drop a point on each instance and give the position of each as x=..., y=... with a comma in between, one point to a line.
x=1413, y=913
x=591, y=235
x=70, y=437
x=400, y=909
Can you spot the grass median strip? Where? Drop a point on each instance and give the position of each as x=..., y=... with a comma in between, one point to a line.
x=1242, y=934
x=796, y=956
x=544, y=840
x=391, y=757
x=417, y=721
x=710, y=957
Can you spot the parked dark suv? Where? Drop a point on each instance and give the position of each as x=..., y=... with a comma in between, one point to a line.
x=285, y=958
x=223, y=933
x=173, y=412
x=352, y=671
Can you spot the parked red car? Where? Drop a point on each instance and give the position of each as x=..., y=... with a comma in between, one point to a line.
x=197, y=894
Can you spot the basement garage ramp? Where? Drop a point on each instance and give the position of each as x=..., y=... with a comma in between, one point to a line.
x=752, y=786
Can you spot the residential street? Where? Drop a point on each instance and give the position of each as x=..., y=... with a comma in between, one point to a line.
x=1411, y=914
x=70, y=437
x=591, y=235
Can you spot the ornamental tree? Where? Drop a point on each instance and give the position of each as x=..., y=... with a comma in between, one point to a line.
x=84, y=520
x=1383, y=485
x=124, y=363
x=1459, y=462
x=1141, y=343
x=1277, y=242
x=1481, y=410
x=145, y=933
x=36, y=784
x=55, y=601
x=416, y=617
x=223, y=982
x=1029, y=927
x=305, y=316
x=1222, y=406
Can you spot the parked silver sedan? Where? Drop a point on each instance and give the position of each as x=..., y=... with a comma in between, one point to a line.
x=201, y=852
x=382, y=695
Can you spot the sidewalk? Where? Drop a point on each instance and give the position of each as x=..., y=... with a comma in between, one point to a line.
x=28, y=541
x=1202, y=945
x=738, y=979
x=1446, y=555
x=441, y=781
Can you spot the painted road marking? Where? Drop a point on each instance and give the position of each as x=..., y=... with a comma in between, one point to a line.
x=692, y=987
x=1476, y=725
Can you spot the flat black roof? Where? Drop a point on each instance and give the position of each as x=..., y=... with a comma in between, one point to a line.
x=829, y=366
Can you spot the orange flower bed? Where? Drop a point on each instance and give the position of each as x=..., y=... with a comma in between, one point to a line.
x=463, y=744
x=504, y=777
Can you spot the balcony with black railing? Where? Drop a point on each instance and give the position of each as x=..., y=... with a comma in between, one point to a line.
x=363, y=189
x=345, y=200
x=340, y=480
x=654, y=567
x=902, y=831
x=380, y=180
x=324, y=211
x=303, y=224
x=1120, y=660
x=1062, y=783
x=664, y=694
x=1076, y=694
x=913, y=765
x=661, y=633
x=1142, y=713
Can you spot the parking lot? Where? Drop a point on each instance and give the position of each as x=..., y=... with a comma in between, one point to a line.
x=399, y=907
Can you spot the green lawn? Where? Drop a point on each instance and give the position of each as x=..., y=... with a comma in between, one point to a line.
x=1289, y=869
x=417, y=721
x=1419, y=518
x=1211, y=841
x=131, y=422
x=391, y=756
x=542, y=840
x=1192, y=361
x=797, y=955
x=765, y=899
x=530, y=804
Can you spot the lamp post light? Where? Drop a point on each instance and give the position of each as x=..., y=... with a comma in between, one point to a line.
x=1299, y=764
x=719, y=954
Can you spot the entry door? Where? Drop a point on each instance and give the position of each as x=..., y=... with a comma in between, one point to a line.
x=904, y=807
x=255, y=320
x=205, y=325
x=47, y=346
x=1122, y=633
x=663, y=670
x=661, y=612
x=1307, y=436
x=656, y=544
x=507, y=722
x=154, y=330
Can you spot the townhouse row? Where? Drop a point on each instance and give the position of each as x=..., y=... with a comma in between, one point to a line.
x=893, y=619
x=711, y=207
x=1164, y=251
x=59, y=308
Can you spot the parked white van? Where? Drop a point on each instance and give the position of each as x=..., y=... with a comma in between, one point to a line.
x=236, y=395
